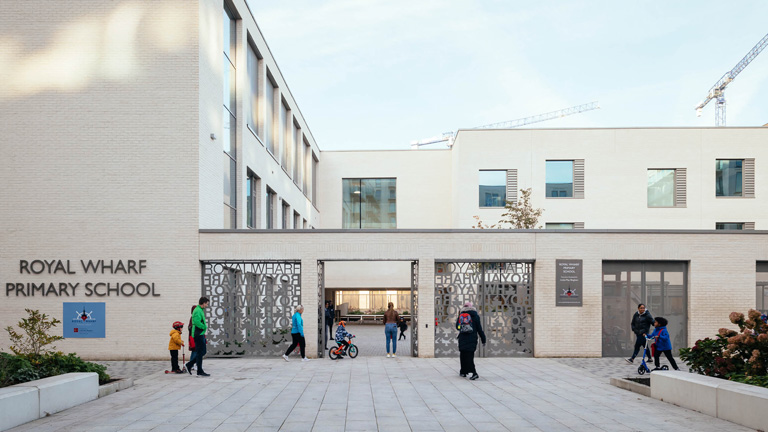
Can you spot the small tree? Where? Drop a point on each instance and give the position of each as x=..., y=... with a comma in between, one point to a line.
x=518, y=215
x=34, y=334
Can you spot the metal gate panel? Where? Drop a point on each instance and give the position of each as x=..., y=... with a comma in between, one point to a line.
x=507, y=308
x=322, y=338
x=415, y=308
x=502, y=292
x=251, y=304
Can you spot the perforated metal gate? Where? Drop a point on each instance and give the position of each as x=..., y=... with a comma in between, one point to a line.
x=502, y=292
x=251, y=305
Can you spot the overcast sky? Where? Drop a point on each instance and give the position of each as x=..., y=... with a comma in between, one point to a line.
x=379, y=74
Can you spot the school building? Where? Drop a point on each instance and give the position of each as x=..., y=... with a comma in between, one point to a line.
x=153, y=153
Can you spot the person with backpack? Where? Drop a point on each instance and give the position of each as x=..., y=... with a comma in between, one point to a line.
x=199, y=327
x=469, y=327
x=191, y=340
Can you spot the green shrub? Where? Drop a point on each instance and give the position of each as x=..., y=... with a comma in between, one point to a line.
x=17, y=369
x=735, y=355
x=34, y=334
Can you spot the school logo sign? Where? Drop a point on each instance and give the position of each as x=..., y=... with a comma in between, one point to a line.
x=84, y=320
x=568, y=281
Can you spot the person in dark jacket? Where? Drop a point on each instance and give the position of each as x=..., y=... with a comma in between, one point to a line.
x=468, y=339
x=403, y=326
x=330, y=315
x=642, y=321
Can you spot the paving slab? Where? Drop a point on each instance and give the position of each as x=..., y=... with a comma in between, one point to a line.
x=377, y=393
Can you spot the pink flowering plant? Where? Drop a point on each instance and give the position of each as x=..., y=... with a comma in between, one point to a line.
x=735, y=355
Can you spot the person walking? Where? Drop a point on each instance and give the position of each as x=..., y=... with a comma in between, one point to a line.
x=641, y=323
x=191, y=339
x=390, y=328
x=329, y=318
x=469, y=326
x=403, y=328
x=199, y=326
x=297, y=334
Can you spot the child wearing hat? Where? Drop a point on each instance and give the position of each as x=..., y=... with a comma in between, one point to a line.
x=663, y=344
x=174, y=345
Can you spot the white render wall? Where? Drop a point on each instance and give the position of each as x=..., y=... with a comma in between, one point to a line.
x=721, y=275
x=615, y=174
x=423, y=184
x=99, y=107
x=251, y=151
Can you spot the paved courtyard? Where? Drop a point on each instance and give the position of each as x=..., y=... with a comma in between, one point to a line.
x=377, y=393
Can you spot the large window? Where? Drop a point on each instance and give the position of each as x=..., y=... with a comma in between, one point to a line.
x=286, y=212
x=762, y=287
x=229, y=121
x=728, y=177
x=661, y=188
x=492, y=188
x=252, y=194
x=253, y=81
x=270, y=133
x=661, y=286
x=284, y=135
x=271, y=197
x=559, y=178
x=369, y=203
x=296, y=153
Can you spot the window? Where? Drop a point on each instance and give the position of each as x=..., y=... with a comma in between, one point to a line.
x=558, y=225
x=762, y=287
x=728, y=177
x=314, y=179
x=305, y=166
x=284, y=134
x=559, y=177
x=286, y=212
x=270, y=208
x=729, y=226
x=253, y=81
x=296, y=153
x=661, y=188
x=252, y=193
x=270, y=134
x=492, y=188
x=362, y=209
x=296, y=220
x=229, y=122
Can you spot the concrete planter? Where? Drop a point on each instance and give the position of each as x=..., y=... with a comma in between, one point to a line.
x=115, y=386
x=29, y=401
x=739, y=403
x=631, y=386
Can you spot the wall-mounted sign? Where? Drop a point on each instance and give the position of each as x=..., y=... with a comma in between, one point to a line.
x=84, y=320
x=568, y=282
x=97, y=288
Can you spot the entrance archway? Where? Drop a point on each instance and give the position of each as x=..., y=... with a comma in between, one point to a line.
x=363, y=316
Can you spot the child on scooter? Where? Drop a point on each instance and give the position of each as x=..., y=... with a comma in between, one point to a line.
x=663, y=344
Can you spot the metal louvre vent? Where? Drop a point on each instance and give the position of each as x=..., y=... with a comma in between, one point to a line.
x=749, y=178
x=681, y=176
x=749, y=225
x=512, y=186
x=578, y=178
x=578, y=225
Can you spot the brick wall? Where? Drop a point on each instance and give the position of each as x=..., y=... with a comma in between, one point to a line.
x=99, y=108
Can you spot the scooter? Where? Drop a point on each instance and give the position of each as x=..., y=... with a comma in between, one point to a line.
x=183, y=361
x=649, y=347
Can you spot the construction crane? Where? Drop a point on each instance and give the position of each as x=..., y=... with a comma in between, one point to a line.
x=448, y=137
x=717, y=90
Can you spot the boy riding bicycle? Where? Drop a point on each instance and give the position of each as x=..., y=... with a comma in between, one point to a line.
x=341, y=335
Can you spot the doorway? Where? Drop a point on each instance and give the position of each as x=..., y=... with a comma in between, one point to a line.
x=661, y=286
x=359, y=292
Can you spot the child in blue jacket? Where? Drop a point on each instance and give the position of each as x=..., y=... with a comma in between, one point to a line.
x=663, y=344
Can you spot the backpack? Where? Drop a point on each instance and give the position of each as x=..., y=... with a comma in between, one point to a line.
x=465, y=323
